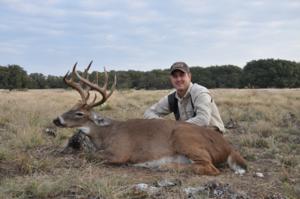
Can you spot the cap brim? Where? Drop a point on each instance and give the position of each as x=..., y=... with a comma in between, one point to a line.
x=180, y=69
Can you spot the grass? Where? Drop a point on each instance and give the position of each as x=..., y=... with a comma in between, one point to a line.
x=266, y=133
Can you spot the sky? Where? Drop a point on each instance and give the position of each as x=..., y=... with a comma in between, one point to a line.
x=49, y=36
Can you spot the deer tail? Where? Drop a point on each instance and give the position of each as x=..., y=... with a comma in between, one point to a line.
x=236, y=162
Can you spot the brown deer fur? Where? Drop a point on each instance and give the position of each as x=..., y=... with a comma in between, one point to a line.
x=142, y=140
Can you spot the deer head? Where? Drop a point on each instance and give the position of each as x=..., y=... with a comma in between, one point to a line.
x=81, y=115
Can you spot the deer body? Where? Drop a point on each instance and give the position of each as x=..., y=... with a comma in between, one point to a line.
x=151, y=142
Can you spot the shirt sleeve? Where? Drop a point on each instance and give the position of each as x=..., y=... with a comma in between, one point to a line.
x=158, y=110
x=202, y=107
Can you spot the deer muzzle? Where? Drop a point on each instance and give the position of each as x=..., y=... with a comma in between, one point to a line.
x=59, y=121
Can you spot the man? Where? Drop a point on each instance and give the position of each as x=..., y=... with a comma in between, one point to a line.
x=190, y=102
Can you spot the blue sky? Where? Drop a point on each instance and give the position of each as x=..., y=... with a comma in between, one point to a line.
x=49, y=36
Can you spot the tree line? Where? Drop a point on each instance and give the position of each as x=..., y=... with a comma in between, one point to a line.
x=263, y=73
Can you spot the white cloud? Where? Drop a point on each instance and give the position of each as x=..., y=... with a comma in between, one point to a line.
x=147, y=33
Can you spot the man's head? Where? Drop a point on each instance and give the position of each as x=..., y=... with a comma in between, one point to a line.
x=180, y=76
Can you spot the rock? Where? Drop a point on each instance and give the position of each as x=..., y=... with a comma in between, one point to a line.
x=51, y=131
x=142, y=187
x=168, y=183
x=192, y=192
x=260, y=175
x=214, y=190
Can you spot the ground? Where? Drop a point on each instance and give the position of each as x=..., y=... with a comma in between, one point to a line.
x=264, y=125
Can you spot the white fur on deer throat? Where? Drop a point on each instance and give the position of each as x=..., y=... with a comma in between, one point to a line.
x=85, y=129
x=61, y=120
x=180, y=159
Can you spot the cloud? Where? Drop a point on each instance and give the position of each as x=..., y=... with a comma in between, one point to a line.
x=124, y=34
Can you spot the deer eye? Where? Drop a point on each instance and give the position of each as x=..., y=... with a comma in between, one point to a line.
x=79, y=114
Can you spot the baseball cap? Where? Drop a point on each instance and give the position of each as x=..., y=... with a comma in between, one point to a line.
x=179, y=66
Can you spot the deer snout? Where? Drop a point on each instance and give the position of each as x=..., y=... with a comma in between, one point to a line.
x=59, y=121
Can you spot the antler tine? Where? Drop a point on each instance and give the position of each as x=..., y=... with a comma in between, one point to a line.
x=113, y=86
x=65, y=77
x=73, y=74
x=102, y=91
x=87, y=96
x=85, y=73
x=107, y=95
x=74, y=85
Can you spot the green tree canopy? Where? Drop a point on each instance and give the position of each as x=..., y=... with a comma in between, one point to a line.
x=263, y=73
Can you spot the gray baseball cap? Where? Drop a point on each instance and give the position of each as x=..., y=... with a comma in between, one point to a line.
x=179, y=66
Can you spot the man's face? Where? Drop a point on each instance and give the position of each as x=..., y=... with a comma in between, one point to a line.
x=180, y=80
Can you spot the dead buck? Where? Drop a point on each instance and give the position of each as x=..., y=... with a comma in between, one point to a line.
x=148, y=143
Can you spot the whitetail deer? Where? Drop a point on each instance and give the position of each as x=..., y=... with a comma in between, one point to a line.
x=147, y=142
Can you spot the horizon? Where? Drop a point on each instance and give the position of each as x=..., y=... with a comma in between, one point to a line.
x=48, y=37
x=81, y=68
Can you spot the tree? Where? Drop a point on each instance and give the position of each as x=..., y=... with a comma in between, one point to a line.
x=3, y=77
x=266, y=73
x=55, y=82
x=38, y=81
x=17, y=77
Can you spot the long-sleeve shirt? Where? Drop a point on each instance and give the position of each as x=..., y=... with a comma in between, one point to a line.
x=202, y=112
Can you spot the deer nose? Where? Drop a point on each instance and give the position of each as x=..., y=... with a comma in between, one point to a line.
x=57, y=122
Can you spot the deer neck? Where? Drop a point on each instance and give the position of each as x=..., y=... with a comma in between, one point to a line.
x=98, y=133
x=97, y=126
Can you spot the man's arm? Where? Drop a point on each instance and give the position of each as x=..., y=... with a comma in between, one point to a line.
x=202, y=105
x=158, y=110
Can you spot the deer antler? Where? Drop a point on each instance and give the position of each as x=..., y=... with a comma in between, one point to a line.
x=84, y=86
x=85, y=74
x=95, y=87
x=77, y=86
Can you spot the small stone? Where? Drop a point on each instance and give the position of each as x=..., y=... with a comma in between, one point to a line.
x=168, y=183
x=143, y=187
x=50, y=131
x=191, y=191
x=260, y=175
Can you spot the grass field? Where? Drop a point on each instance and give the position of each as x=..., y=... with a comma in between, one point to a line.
x=264, y=127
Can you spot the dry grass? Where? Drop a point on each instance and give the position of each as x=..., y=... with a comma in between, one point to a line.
x=266, y=131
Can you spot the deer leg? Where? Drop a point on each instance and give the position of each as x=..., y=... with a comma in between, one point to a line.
x=202, y=163
x=191, y=145
x=205, y=168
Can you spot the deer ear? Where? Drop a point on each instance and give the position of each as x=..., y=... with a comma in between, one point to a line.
x=103, y=122
x=100, y=121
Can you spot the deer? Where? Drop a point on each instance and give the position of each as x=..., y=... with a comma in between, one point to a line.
x=150, y=143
